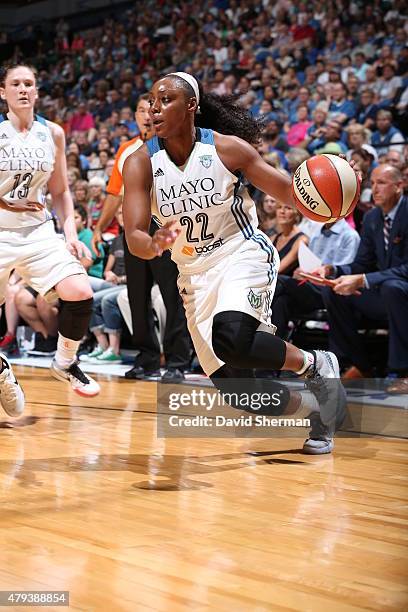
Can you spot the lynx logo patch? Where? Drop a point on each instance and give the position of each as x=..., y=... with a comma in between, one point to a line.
x=256, y=301
x=41, y=136
x=206, y=160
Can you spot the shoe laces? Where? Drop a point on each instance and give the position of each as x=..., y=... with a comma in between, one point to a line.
x=316, y=383
x=77, y=373
x=10, y=392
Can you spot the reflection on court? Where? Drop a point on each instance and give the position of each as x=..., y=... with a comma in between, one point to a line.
x=94, y=503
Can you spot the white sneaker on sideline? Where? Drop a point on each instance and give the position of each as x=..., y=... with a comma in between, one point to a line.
x=12, y=398
x=80, y=382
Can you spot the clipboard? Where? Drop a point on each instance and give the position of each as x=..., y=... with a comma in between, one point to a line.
x=317, y=280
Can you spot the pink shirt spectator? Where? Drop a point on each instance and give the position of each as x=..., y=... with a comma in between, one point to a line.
x=297, y=133
x=82, y=123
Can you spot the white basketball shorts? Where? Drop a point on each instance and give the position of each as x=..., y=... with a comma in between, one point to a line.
x=244, y=281
x=37, y=255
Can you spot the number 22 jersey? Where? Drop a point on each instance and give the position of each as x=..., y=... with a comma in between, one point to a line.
x=26, y=165
x=214, y=210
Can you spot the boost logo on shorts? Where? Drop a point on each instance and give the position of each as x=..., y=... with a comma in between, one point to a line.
x=207, y=249
x=256, y=301
x=203, y=250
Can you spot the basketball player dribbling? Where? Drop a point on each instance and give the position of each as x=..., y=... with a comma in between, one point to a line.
x=32, y=159
x=190, y=178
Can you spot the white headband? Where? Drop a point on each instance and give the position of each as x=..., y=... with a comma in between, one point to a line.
x=190, y=80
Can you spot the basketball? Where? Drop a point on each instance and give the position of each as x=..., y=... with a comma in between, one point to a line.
x=325, y=188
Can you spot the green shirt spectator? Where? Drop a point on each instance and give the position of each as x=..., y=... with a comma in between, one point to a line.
x=94, y=268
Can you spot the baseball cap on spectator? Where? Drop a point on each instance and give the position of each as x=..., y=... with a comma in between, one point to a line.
x=371, y=151
x=331, y=147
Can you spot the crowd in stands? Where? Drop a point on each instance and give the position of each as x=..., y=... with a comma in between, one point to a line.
x=322, y=78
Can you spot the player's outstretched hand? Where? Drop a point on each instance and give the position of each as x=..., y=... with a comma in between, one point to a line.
x=78, y=249
x=165, y=237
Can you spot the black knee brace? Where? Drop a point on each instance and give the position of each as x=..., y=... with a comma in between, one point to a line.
x=74, y=318
x=232, y=337
x=236, y=383
x=236, y=341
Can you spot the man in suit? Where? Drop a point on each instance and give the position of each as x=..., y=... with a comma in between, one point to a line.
x=375, y=285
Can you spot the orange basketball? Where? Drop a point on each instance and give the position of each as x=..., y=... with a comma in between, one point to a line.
x=325, y=188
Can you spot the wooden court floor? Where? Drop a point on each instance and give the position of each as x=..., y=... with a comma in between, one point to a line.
x=94, y=503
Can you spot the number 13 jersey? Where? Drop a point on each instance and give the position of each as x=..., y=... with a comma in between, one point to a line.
x=214, y=210
x=26, y=164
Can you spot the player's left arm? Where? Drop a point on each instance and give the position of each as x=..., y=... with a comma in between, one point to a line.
x=236, y=154
x=61, y=196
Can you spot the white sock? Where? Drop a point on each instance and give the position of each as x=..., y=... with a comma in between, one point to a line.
x=308, y=360
x=66, y=351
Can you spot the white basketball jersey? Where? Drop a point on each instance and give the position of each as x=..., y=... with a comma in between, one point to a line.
x=213, y=208
x=26, y=164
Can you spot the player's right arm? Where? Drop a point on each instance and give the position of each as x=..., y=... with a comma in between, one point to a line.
x=138, y=180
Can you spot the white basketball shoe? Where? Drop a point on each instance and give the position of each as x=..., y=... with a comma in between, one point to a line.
x=12, y=398
x=80, y=382
x=323, y=380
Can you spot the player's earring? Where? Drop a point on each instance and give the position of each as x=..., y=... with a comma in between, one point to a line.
x=198, y=111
